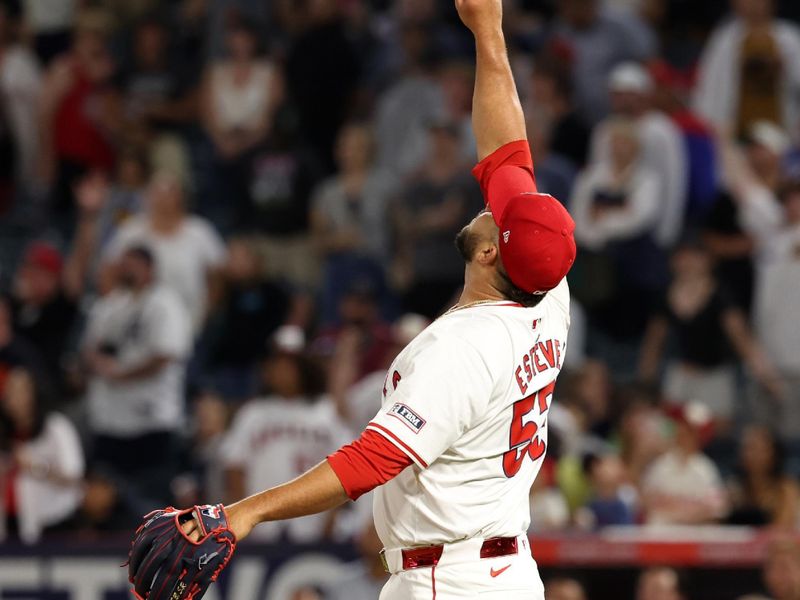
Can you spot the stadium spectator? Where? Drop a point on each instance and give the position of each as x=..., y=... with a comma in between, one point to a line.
x=406, y=109
x=683, y=486
x=555, y=174
x=41, y=461
x=204, y=478
x=660, y=583
x=102, y=511
x=360, y=334
x=251, y=309
x=281, y=179
x=549, y=508
x=620, y=270
x=17, y=352
x=640, y=430
x=750, y=70
x=732, y=246
x=782, y=569
x=189, y=252
x=20, y=86
x=350, y=219
x=550, y=106
x=663, y=149
x=103, y=207
x=43, y=309
x=81, y=111
x=321, y=57
x=763, y=493
x=708, y=328
x=158, y=93
x=564, y=588
x=136, y=345
x=457, y=80
x=241, y=94
x=671, y=96
x=356, y=394
x=431, y=209
x=773, y=219
x=592, y=39
x=278, y=436
x=612, y=501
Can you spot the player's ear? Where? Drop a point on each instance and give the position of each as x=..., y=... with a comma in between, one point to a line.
x=487, y=254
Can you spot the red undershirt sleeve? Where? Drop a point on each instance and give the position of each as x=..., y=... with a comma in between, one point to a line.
x=366, y=463
x=505, y=173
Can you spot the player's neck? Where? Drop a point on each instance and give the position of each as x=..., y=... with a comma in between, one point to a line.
x=478, y=289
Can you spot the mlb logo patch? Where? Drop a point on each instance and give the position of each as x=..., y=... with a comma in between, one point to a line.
x=408, y=417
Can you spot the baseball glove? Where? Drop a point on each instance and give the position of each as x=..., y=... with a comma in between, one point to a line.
x=164, y=564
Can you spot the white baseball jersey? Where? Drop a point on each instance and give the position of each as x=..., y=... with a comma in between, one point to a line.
x=467, y=400
x=275, y=440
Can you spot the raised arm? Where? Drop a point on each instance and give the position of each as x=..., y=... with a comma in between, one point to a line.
x=497, y=117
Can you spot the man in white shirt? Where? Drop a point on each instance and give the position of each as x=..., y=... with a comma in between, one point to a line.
x=662, y=146
x=773, y=220
x=137, y=341
x=683, y=486
x=189, y=252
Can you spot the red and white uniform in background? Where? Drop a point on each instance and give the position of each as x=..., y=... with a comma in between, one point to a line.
x=462, y=431
x=273, y=440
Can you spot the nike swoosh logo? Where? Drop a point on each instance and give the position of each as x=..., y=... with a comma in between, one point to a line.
x=494, y=573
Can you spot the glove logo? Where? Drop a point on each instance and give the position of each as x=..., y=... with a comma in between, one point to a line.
x=211, y=512
x=204, y=560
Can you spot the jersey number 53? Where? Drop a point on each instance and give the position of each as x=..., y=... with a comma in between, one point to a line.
x=524, y=436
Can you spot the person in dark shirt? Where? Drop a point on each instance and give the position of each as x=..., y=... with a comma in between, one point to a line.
x=762, y=492
x=158, y=94
x=551, y=92
x=322, y=73
x=252, y=309
x=731, y=248
x=42, y=311
x=431, y=210
x=709, y=331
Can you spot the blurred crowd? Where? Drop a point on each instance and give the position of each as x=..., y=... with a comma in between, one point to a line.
x=220, y=221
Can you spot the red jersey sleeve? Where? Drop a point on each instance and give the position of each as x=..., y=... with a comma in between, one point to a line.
x=368, y=462
x=505, y=173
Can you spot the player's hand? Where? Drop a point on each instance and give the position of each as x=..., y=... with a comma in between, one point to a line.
x=480, y=15
x=238, y=521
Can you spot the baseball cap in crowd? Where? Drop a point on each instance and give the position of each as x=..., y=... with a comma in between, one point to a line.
x=44, y=256
x=768, y=134
x=537, y=245
x=289, y=339
x=696, y=416
x=630, y=77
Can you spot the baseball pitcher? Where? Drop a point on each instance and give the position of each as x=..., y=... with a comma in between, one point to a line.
x=462, y=430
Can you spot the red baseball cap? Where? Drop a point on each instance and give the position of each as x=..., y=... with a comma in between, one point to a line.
x=43, y=256
x=536, y=241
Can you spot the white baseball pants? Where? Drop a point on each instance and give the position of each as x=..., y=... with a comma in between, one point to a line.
x=460, y=574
